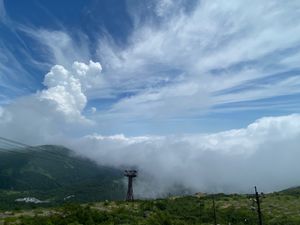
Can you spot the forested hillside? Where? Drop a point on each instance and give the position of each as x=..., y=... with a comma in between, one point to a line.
x=55, y=174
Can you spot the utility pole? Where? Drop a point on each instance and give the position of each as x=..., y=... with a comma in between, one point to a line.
x=130, y=174
x=215, y=214
x=201, y=206
x=258, y=207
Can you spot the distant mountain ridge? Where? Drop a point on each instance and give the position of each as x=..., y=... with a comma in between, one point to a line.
x=54, y=173
x=291, y=191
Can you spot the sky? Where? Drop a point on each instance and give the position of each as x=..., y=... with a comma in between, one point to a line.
x=207, y=91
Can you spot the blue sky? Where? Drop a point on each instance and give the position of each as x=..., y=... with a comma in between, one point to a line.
x=211, y=47
x=197, y=86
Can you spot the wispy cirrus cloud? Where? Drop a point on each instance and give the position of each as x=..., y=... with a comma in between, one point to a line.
x=3, y=14
x=218, y=46
x=223, y=51
x=188, y=63
x=59, y=47
x=180, y=61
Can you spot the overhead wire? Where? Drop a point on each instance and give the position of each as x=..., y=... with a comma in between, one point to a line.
x=16, y=147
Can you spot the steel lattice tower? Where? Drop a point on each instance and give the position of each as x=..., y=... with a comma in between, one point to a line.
x=130, y=174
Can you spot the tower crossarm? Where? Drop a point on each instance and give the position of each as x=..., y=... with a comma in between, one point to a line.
x=130, y=173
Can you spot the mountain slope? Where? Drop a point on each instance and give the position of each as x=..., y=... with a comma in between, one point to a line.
x=54, y=172
x=295, y=191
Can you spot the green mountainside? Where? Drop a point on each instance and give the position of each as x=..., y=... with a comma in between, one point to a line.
x=293, y=191
x=55, y=174
x=74, y=190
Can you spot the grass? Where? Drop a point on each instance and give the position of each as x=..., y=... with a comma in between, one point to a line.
x=277, y=209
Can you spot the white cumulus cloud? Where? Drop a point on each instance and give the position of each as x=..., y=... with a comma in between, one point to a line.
x=54, y=110
x=217, y=53
x=265, y=153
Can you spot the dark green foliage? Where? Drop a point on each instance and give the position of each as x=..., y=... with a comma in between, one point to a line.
x=295, y=191
x=233, y=209
x=53, y=173
x=60, y=174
